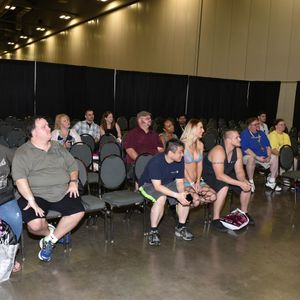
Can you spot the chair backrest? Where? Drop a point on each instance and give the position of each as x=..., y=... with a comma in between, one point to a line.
x=89, y=140
x=109, y=149
x=5, y=130
x=122, y=121
x=112, y=172
x=83, y=152
x=105, y=139
x=132, y=122
x=16, y=138
x=82, y=172
x=286, y=157
x=140, y=164
x=209, y=141
x=3, y=142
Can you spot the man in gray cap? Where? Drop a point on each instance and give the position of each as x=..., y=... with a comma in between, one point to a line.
x=141, y=139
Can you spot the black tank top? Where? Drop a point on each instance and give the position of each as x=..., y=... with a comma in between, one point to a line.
x=112, y=131
x=228, y=166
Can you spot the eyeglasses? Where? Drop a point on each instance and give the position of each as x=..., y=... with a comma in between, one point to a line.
x=255, y=124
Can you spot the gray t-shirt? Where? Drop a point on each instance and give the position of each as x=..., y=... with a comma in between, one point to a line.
x=48, y=173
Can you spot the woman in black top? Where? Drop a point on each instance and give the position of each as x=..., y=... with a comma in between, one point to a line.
x=109, y=126
x=9, y=209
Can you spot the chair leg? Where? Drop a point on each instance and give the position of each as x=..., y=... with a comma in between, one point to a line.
x=111, y=227
x=105, y=226
x=22, y=245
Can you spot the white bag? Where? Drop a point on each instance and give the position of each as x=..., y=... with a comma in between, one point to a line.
x=7, y=260
x=236, y=220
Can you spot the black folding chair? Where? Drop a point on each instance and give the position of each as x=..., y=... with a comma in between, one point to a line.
x=112, y=177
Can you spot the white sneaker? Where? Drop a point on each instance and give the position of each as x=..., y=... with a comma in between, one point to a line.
x=51, y=229
x=252, y=187
x=272, y=185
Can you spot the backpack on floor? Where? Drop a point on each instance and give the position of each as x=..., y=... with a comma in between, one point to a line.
x=236, y=220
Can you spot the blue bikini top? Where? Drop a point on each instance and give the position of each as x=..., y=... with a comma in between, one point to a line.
x=189, y=158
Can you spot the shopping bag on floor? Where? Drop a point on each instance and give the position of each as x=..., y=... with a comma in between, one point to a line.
x=236, y=220
x=8, y=250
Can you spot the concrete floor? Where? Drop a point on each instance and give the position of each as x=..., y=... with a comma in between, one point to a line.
x=261, y=262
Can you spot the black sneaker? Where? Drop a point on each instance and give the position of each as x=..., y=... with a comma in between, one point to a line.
x=251, y=220
x=183, y=233
x=153, y=238
x=217, y=225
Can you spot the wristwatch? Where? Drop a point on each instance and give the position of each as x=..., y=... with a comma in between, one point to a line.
x=74, y=180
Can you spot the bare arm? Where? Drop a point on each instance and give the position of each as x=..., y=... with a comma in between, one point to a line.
x=217, y=157
x=238, y=167
x=164, y=190
x=73, y=185
x=132, y=153
x=25, y=191
x=162, y=140
x=102, y=132
x=118, y=131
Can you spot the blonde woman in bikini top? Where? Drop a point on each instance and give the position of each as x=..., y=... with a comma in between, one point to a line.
x=193, y=163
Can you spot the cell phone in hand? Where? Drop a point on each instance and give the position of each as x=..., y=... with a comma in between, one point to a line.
x=189, y=197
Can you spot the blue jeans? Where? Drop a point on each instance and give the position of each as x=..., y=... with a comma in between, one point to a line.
x=11, y=214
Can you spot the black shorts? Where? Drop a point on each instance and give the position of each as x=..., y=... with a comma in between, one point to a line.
x=67, y=206
x=217, y=185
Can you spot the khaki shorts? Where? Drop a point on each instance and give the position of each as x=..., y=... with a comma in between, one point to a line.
x=264, y=165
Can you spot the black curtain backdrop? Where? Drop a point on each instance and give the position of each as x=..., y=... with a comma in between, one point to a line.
x=263, y=96
x=296, y=121
x=99, y=91
x=162, y=95
x=72, y=90
x=50, y=89
x=16, y=86
x=217, y=98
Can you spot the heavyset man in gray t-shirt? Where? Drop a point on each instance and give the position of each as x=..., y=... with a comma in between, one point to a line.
x=46, y=176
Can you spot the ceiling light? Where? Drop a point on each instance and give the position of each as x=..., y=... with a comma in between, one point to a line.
x=10, y=43
x=10, y=7
x=40, y=28
x=103, y=0
x=23, y=37
x=65, y=17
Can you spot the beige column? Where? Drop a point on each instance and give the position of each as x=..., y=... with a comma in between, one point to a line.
x=286, y=101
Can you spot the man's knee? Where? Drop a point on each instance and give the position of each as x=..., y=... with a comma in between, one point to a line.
x=222, y=193
x=161, y=200
x=37, y=225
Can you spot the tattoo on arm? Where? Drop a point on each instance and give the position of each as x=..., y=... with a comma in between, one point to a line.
x=217, y=162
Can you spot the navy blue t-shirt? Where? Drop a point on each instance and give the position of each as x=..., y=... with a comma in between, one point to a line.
x=158, y=169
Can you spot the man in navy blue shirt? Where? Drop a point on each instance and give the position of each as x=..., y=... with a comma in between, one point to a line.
x=257, y=150
x=163, y=178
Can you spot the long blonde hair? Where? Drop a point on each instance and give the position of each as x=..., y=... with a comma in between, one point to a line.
x=188, y=136
x=58, y=118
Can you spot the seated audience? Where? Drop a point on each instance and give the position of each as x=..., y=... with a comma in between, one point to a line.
x=46, y=176
x=168, y=131
x=88, y=126
x=256, y=150
x=141, y=139
x=193, y=163
x=278, y=138
x=62, y=132
x=262, y=117
x=9, y=209
x=223, y=169
x=109, y=126
x=180, y=125
x=163, y=178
